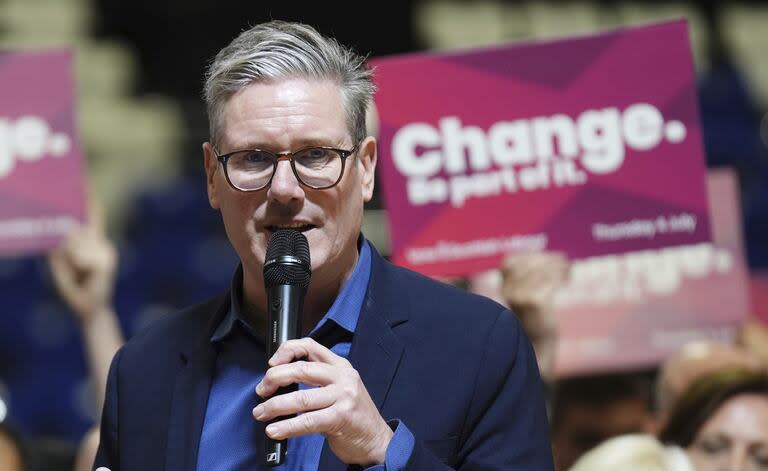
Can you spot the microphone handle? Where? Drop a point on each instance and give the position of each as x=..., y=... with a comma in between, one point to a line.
x=285, y=304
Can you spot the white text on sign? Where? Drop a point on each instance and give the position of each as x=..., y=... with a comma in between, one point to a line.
x=29, y=139
x=525, y=154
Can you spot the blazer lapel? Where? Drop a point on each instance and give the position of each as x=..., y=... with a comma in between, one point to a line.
x=190, y=399
x=190, y=396
x=376, y=353
x=376, y=350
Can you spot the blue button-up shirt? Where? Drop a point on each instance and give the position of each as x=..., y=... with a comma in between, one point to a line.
x=232, y=440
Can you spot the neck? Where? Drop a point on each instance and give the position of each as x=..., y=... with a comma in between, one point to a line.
x=324, y=287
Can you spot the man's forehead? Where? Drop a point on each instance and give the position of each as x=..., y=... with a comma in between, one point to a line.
x=289, y=114
x=290, y=89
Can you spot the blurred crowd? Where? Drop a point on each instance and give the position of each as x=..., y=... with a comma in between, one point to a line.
x=705, y=407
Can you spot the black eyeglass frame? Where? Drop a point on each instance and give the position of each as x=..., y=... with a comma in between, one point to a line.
x=343, y=155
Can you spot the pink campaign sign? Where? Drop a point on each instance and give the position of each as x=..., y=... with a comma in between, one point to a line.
x=41, y=176
x=588, y=146
x=633, y=310
x=637, y=308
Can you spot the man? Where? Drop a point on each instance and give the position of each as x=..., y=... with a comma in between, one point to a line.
x=398, y=371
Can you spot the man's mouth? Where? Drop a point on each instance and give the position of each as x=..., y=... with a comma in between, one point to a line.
x=292, y=226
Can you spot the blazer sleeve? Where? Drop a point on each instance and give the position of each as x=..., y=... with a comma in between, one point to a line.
x=107, y=454
x=506, y=426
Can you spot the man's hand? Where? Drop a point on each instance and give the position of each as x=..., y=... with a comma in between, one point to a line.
x=83, y=270
x=340, y=408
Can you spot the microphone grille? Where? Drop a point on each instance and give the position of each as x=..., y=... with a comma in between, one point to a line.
x=287, y=261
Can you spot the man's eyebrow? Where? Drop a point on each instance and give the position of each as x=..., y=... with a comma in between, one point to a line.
x=319, y=141
x=245, y=145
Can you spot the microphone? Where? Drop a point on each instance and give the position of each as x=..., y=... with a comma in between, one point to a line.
x=287, y=269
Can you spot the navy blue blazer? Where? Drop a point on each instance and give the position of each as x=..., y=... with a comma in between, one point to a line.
x=456, y=368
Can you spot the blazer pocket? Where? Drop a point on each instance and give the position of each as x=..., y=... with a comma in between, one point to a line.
x=443, y=448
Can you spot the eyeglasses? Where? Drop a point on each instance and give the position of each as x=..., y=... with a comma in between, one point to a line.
x=319, y=168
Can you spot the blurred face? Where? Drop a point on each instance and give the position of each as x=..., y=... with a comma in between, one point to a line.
x=283, y=116
x=735, y=438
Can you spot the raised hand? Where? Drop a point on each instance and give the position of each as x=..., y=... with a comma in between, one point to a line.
x=83, y=270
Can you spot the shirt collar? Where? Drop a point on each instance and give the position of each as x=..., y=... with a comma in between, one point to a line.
x=344, y=312
x=234, y=315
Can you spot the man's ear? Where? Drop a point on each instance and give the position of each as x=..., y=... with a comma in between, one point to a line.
x=211, y=166
x=367, y=154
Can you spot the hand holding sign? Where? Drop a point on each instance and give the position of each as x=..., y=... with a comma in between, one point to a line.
x=83, y=269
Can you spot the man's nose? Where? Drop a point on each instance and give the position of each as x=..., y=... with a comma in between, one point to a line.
x=285, y=187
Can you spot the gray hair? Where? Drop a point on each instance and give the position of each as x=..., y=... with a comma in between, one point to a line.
x=280, y=50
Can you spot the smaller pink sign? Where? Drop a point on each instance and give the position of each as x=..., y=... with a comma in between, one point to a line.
x=635, y=309
x=632, y=310
x=588, y=146
x=41, y=174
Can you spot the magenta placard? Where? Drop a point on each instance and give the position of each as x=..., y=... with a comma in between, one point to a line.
x=589, y=146
x=41, y=175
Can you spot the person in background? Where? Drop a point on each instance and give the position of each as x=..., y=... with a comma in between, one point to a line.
x=692, y=361
x=13, y=454
x=529, y=284
x=721, y=419
x=635, y=452
x=753, y=336
x=83, y=271
x=590, y=409
x=86, y=451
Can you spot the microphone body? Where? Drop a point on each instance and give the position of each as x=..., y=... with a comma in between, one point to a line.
x=286, y=303
x=286, y=278
x=285, y=306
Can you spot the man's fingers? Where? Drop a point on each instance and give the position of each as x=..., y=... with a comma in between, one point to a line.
x=297, y=402
x=308, y=349
x=319, y=421
x=304, y=372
